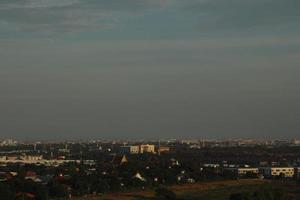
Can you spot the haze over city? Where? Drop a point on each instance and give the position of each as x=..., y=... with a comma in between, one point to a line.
x=135, y=69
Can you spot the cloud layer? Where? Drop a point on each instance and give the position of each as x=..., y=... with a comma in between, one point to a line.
x=70, y=15
x=205, y=16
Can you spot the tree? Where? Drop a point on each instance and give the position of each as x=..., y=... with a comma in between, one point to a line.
x=165, y=193
x=58, y=190
x=100, y=186
x=5, y=192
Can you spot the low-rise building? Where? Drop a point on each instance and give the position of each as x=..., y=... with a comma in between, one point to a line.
x=163, y=150
x=296, y=142
x=31, y=157
x=211, y=165
x=134, y=149
x=278, y=171
x=243, y=171
x=147, y=148
x=2, y=158
x=11, y=158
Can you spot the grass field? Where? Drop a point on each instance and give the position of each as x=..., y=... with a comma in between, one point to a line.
x=221, y=193
x=218, y=190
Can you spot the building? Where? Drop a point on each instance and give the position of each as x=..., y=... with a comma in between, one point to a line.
x=296, y=142
x=147, y=148
x=211, y=165
x=278, y=171
x=139, y=177
x=297, y=172
x=243, y=171
x=163, y=150
x=31, y=157
x=134, y=149
x=11, y=158
x=8, y=142
x=2, y=158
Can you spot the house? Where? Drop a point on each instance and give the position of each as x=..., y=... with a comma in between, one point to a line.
x=139, y=176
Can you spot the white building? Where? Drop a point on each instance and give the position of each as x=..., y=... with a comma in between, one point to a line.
x=278, y=171
x=147, y=148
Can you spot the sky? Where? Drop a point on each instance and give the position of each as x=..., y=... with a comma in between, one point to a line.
x=149, y=69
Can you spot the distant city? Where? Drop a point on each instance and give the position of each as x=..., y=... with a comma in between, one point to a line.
x=69, y=169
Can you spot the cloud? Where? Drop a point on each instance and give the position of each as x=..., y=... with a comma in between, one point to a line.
x=70, y=15
x=192, y=18
x=35, y=4
x=244, y=14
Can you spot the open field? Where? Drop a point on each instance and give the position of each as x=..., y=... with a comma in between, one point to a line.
x=218, y=190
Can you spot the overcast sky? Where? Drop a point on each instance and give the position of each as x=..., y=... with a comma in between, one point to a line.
x=149, y=69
